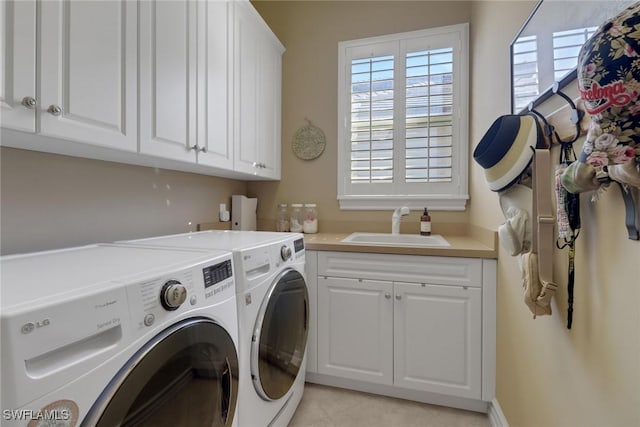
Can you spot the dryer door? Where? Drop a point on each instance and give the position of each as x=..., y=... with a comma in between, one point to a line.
x=185, y=376
x=277, y=353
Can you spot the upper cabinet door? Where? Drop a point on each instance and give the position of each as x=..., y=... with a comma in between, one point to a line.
x=257, y=94
x=89, y=72
x=18, y=79
x=168, y=79
x=270, y=109
x=215, y=146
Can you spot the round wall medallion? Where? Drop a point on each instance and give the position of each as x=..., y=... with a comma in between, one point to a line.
x=63, y=413
x=309, y=142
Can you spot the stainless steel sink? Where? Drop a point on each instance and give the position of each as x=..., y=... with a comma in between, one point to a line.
x=387, y=239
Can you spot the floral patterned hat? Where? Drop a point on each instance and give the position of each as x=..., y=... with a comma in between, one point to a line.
x=609, y=85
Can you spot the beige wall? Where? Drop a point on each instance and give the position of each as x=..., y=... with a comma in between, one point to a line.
x=547, y=375
x=50, y=201
x=310, y=31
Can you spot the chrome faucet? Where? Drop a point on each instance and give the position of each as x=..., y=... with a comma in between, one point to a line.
x=395, y=219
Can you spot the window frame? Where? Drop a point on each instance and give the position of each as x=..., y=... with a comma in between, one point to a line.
x=437, y=196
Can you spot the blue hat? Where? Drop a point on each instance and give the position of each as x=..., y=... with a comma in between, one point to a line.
x=505, y=151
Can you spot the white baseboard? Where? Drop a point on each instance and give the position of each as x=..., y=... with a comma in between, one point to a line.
x=496, y=416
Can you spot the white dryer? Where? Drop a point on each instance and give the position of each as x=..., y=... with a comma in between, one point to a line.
x=107, y=335
x=273, y=317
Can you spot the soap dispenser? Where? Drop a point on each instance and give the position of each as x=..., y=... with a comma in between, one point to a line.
x=425, y=223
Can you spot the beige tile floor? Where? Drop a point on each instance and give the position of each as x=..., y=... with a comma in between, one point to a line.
x=323, y=406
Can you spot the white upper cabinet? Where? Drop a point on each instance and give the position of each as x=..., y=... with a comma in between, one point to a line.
x=184, y=75
x=88, y=74
x=18, y=80
x=214, y=84
x=168, y=74
x=257, y=94
x=158, y=83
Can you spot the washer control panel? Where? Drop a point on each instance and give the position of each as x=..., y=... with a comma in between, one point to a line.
x=155, y=300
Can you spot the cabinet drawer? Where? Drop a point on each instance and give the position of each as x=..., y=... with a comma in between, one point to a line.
x=405, y=268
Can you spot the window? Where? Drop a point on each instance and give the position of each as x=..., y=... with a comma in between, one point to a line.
x=530, y=62
x=566, y=47
x=525, y=72
x=403, y=117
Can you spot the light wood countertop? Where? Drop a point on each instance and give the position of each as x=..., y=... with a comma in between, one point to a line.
x=467, y=241
x=475, y=246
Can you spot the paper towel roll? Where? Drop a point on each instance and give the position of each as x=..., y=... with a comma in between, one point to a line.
x=243, y=212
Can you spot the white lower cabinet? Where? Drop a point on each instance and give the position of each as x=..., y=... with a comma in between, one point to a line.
x=437, y=338
x=355, y=329
x=404, y=323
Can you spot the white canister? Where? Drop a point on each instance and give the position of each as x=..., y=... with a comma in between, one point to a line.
x=295, y=224
x=310, y=224
x=282, y=222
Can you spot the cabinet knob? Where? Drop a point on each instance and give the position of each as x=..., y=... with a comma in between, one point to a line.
x=398, y=297
x=203, y=149
x=54, y=110
x=194, y=147
x=387, y=295
x=29, y=102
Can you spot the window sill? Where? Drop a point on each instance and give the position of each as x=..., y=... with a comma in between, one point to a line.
x=434, y=203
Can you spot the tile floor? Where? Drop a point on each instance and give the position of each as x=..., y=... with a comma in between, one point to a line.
x=323, y=406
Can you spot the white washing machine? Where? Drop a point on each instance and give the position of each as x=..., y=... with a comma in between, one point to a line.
x=111, y=335
x=273, y=317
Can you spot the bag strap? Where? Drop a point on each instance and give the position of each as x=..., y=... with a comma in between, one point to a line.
x=630, y=213
x=543, y=214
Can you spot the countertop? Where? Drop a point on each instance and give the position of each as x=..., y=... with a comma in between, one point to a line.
x=478, y=244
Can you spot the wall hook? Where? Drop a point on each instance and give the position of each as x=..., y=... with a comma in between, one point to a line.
x=549, y=130
x=576, y=115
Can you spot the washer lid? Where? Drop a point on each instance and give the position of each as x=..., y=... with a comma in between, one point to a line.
x=218, y=239
x=56, y=274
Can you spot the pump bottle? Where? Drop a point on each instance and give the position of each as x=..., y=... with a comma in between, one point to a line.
x=425, y=223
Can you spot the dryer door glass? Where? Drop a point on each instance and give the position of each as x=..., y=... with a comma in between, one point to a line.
x=185, y=376
x=282, y=327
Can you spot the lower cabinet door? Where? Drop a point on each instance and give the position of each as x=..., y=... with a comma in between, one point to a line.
x=437, y=333
x=355, y=331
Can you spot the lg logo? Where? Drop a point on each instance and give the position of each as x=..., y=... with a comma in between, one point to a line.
x=29, y=327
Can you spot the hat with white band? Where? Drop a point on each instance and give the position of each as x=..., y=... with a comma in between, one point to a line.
x=506, y=150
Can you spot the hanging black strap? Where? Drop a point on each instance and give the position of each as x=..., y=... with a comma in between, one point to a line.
x=572, y=207
x=572, y=254
x=630, y=213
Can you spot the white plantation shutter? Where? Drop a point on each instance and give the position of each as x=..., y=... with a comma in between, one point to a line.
x=428, y=118
x=372, y=119
x=403, y=107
